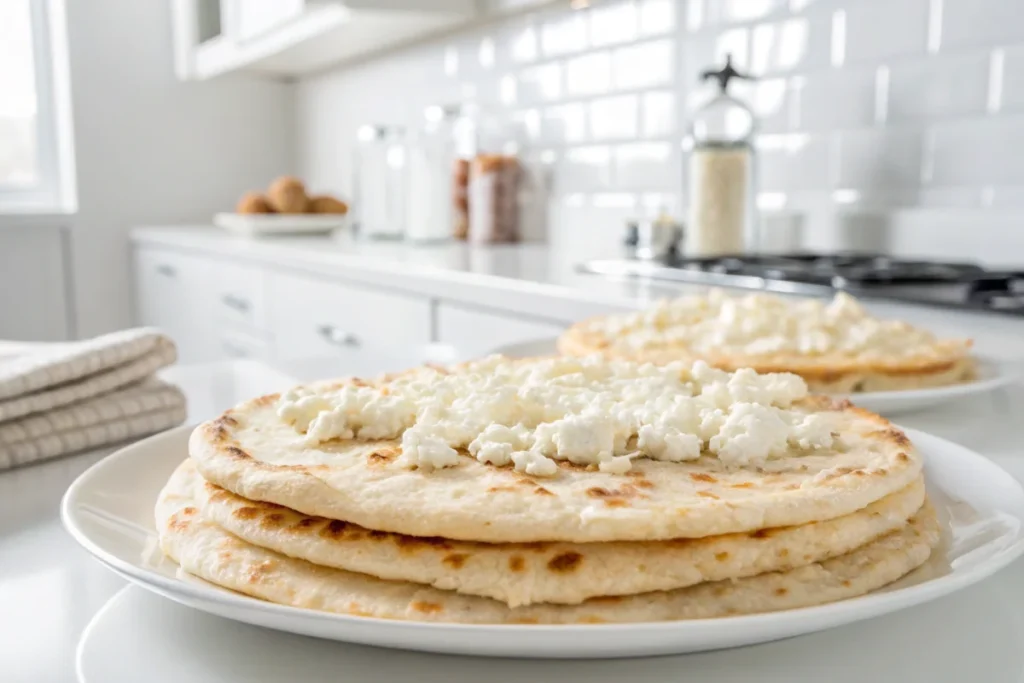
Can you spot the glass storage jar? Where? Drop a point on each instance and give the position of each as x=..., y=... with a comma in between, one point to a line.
x=381, y=181
x=722, y=196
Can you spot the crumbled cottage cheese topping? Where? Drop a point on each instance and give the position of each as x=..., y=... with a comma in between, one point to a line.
x=587, y=411
x=763, y=325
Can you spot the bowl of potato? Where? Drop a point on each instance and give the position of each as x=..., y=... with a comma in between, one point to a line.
x=284, y=209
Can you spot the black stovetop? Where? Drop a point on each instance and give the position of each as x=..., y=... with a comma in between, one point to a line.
x=952, y=284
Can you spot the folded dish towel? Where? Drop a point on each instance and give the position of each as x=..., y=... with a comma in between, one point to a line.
x=57, y=399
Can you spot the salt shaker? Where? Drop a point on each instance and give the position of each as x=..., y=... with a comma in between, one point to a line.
x=722, y=195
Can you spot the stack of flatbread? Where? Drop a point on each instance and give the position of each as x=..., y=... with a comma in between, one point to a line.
x=348, y=526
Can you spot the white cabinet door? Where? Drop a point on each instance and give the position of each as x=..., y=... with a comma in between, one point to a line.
x=173, y=293
x=312, y=317
x=476, y=332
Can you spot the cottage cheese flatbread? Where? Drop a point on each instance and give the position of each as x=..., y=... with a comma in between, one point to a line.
x=524, y=573
x=207, y=551
x=838, y=348
x=252, y=452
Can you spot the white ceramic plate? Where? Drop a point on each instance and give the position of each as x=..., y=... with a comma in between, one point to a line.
x=109, y=510
x=257, y=224
x=991, y=375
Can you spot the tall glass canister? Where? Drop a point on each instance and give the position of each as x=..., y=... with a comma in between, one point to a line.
x=381, y=182
x=722, y=196
x=433, y=154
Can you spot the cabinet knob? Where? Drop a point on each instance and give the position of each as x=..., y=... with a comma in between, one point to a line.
x=338, y=337
x=166, y=270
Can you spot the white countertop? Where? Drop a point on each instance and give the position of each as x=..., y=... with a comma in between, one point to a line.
x=51, y=590
x=528, y=279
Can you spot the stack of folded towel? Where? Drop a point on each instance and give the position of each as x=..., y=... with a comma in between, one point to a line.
x=57, y=399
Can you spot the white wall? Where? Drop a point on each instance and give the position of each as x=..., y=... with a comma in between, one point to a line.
x=877, y=114
x=150, y=149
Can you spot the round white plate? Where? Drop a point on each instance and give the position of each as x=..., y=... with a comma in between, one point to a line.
x=991, y=376
x=256, y=224
x=109, y=510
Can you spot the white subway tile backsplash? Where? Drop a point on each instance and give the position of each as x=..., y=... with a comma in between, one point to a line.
x=744, y=10
x=520, y=44
x=657, y=17
x=955, y=85
x=792, y=161
x=659, y=114
x=878, y=159
x=646, y=165
x=565, y=123
x=564, y=34
x=795, y=43
x=540, y=83
x=864, y=104
x=827, y=100
x=977, y=152
x=644, y=65
x=880, y=30
x=615, y=22
x=590, y=74
x=974, y=23
x=614, y=117
x=584, y=169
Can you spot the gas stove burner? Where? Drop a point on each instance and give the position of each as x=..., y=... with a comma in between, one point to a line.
x=838, y=270
x=1003, y=291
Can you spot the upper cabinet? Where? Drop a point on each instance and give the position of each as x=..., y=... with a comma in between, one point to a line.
x=293, y=37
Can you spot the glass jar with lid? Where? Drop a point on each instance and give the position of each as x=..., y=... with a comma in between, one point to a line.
x=381, y=182
x=722, y=217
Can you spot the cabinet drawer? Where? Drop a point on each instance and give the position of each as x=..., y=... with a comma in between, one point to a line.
x=172, y=293
x=237, y=345
x=311, y=317
x=475, y=332
x=240, y=296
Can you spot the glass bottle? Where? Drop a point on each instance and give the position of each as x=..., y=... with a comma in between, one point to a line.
x=381, y=182
x=722, y=195
x=433, y=175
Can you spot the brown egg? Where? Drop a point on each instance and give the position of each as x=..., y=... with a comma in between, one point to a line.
x=253, y=202
x=327, y=204
x=288, y=195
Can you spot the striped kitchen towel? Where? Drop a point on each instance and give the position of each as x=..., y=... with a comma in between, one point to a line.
x=57, y=399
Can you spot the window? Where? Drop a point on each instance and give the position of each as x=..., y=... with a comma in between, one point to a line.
x=32, y=146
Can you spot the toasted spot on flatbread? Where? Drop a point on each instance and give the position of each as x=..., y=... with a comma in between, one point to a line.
x=516, y=563
x=566, y=562
x=426, y=607
x=247, y=513
x=455, y=560
x=272, y=521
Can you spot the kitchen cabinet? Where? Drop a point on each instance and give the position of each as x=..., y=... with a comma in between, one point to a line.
x=293, y=37
x=315, y=317
x=476, y=332
x=172, y=293
x=217, y=305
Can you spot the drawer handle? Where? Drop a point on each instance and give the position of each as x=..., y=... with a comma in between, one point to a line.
x=166, y=270
x=235, y=302
x=333, y=335
x=234, y=350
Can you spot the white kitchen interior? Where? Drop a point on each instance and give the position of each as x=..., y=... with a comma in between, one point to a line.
x=144, y=148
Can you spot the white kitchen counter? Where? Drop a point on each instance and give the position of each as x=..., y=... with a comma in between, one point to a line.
x=528, y=279
x=51, y=592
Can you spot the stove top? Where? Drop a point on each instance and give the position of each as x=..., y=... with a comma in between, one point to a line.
x=950, y=284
